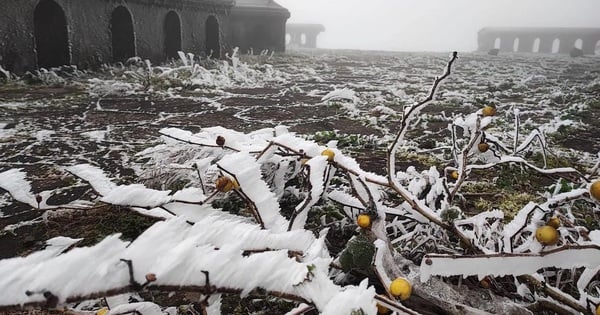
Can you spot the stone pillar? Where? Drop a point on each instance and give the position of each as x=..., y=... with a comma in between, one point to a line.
x=485, y=42
x=506, y=43
x=546, y=44
x=566, y=44
x=589, y=44
x=526, y=44
x=295, y=39
x=311, y=40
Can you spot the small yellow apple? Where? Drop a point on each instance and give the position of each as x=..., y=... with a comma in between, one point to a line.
x=454, y=175
x=595, y=190
x=401, y=288
x=488, y=110
x=363, y=220
x=553, y=222
x=547, y=235
x=329, y=154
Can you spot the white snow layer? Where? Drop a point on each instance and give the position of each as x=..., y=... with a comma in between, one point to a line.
x=143, y=308
x=246, y=171
x=317, y=166
x=498, y=265
x=93, y=175
x=178, y=253
x=345, y=93
x=17, y=186
x=136, y=195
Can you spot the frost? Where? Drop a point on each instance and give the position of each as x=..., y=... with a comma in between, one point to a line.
x=499, y=265
x=95, y=176
x=343, y=94
x=19, y=187
x=136, y=195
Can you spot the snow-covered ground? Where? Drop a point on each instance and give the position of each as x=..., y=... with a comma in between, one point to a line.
x=107, y=129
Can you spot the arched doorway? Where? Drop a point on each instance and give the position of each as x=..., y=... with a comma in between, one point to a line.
x=597, y=48
x=213, y=42
x=579, y=43
x=51, y=35
x=555, y=45
x=172, y=34
x=516, y=45
x=536, y=45
x=497, y=43
x=123, y=39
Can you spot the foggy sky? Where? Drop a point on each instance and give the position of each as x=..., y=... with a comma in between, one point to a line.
x=431, y=25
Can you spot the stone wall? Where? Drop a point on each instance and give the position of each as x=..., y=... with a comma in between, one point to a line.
x=90, y=38
x=539, y=40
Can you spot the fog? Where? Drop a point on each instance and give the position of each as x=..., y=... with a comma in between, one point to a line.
x=431, y=25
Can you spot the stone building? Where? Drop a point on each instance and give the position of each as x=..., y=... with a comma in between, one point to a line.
x=539, y=39
x=87, y=33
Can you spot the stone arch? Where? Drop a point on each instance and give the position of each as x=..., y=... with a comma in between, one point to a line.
x=515, y=46
x=578, y=43
x=555, y=46
x=51, y=35
x=497, y=43
x=172, y=29
x=303, y=39
x=536, y=45
x=213, y=41
x=123, y=37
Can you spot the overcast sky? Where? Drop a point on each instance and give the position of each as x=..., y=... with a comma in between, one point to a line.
x=431, y=25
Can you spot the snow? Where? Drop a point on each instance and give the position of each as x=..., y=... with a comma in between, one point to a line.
x=498, y=265
x=239, y=252
x=97, y=135
x=340, y=94
x=15, y=183
x=353, y=299
x=316, y=167
x=43, y=135
x=136, y=195
x=142, y=308
x=94, y=175
x=190, y=194
x=247, y=172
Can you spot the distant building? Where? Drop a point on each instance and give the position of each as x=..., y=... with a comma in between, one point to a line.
x=303, y=35
x=87, y=33
x=258, y=25
x=539, y=39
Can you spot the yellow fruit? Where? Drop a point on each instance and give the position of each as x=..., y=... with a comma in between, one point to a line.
x=303, y=161
x=454, y=175
x=382, y=309
x=488, y=110
x=598, y=310
x=595, y=190
x=364, y=221
x=102, y=311
x=401, y=288
x=553, y=222
x=329, y=154
x=225, y=184
x=547, y=235
x=483, y=147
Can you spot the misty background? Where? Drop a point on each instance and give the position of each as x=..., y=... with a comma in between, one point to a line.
x=431, y=25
